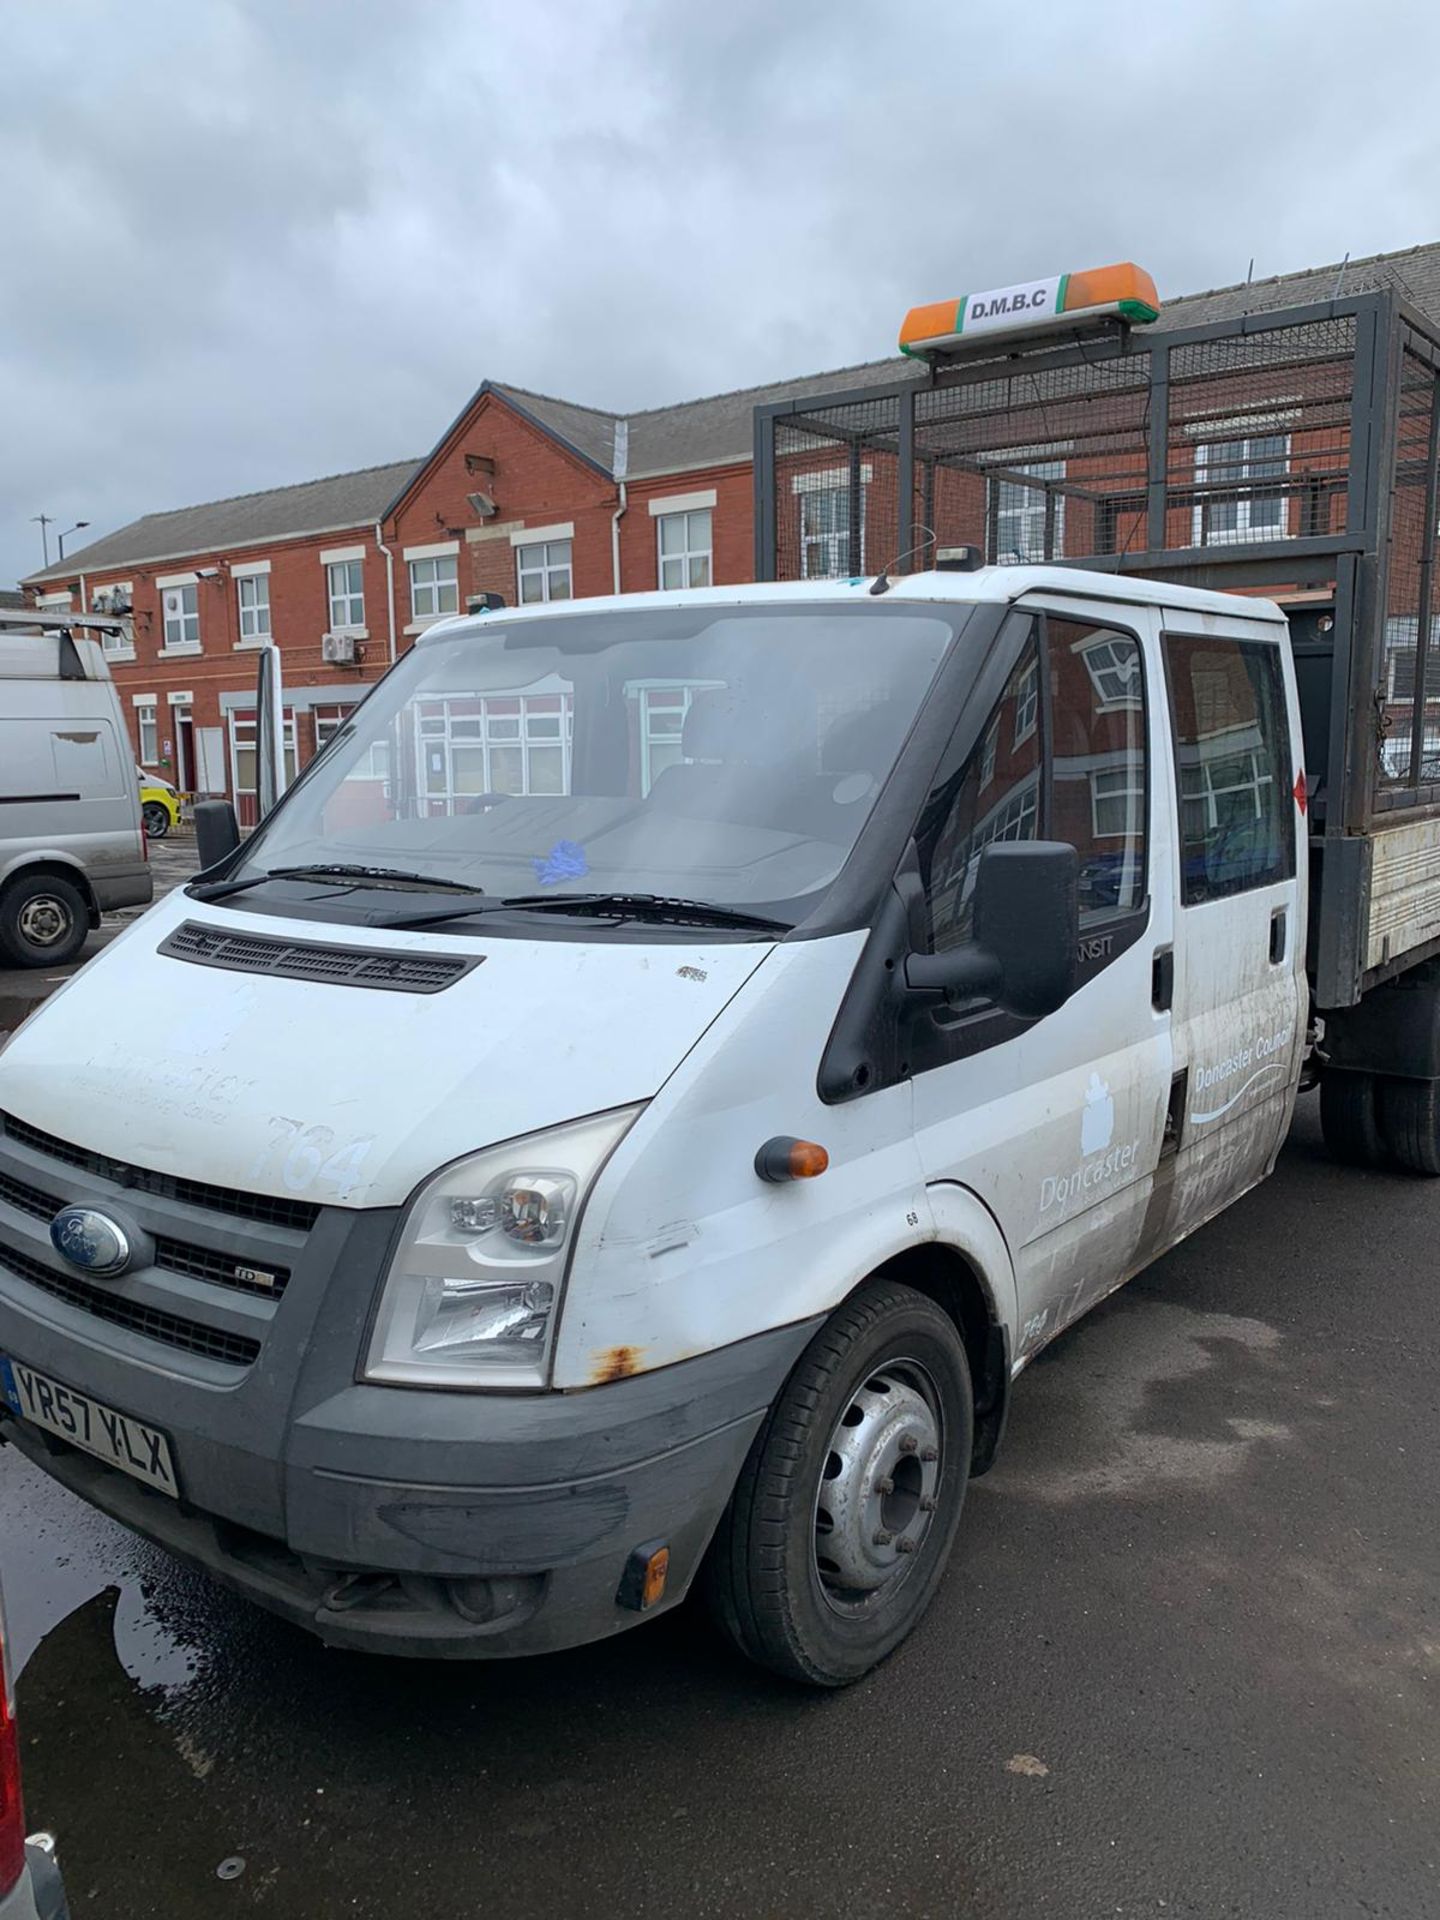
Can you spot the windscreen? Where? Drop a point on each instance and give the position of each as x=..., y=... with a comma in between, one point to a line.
x=727, y=755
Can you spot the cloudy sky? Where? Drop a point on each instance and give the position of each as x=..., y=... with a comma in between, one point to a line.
x=244, y=242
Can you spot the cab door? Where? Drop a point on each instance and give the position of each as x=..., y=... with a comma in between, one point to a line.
x=1240, y=996
x=1059, y=1124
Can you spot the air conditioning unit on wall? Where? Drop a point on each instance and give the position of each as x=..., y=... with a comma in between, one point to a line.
x=338, y=649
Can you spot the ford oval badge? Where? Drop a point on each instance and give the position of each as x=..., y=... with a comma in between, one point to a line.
x=90, y=1240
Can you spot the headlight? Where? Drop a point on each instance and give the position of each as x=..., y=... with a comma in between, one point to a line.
x=471, y=1295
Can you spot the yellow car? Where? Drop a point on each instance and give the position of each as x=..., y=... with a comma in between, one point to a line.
x=159, y=805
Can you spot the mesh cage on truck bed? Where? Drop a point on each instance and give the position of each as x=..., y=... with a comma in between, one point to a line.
x=1290, y=452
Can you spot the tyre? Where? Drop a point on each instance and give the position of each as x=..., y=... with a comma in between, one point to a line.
x=1410, y=1121
x=156, y=818
x=841, y=1523
x=43, y=921
x=1350, y=1119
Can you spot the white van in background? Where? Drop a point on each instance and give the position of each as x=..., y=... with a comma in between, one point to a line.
x=71, y=842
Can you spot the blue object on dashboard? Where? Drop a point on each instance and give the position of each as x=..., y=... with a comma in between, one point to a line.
x=565, y=861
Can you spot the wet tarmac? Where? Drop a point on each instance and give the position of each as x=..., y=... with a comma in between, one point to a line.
x=1187, y=1663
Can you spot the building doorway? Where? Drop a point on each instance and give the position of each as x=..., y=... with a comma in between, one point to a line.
x=183, y=721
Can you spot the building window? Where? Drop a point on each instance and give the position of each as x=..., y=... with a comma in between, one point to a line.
x=496, y=743
x=182, y=618
x=545, y=572
x=147, y=727
x=1017, y=514
x=328, y=722
x=346, y=582
x=987, y=754
x=961, y=825
x=254, y=591
x=686, y=549
x=1117, y=800
x=244, y=771
x=1254, y=511
x=825, y=533
x=1027, y=703
x=1114, y=668
x=433, y=587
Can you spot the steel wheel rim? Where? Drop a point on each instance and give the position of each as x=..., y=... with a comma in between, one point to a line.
x=44, y=920
x=879, y=1486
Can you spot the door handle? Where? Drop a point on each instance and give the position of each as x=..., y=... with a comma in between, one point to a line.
x=1162, y=979
x=1279, y=926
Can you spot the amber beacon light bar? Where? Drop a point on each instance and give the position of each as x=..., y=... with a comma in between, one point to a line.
x=1125, y=292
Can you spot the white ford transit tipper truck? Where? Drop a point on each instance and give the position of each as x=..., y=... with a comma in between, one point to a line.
x=646, y=1091
x=629, y=1114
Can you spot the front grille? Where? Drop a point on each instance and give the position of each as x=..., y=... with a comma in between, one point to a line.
x=297, y=1214
x=176, y=1256
x=383, y=967
x=171, y=1329
x=222, y=1271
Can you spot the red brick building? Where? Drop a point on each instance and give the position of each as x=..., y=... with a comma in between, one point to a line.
x=529, y=497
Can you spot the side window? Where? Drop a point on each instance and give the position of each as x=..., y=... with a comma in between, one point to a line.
x=1097, y=727
x=1232, y=745
x=996, y=795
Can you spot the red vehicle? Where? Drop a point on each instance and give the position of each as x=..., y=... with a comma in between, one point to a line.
x=30, y=1887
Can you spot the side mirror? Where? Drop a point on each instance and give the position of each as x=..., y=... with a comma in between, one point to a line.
x=1027, y=932
x=217, y=832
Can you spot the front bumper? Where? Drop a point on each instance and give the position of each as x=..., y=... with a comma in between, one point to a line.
x=437, y=1524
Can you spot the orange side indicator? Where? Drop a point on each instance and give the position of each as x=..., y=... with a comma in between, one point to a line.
x=786, y=1158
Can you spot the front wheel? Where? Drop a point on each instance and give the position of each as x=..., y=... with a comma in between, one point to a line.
x=842, y=1521
x=156, y=818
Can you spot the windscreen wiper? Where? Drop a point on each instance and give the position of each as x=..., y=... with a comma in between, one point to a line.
x=648, y=906
x=222, y=889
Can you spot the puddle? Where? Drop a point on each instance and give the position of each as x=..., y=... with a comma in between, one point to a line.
x=58, y=1554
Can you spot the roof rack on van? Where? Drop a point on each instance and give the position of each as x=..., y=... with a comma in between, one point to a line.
x=37, y=645
x=42, y=620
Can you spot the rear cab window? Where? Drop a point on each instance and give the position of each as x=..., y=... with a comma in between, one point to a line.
x=1232, y=757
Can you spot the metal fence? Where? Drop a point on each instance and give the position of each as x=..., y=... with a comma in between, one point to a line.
x=1289, y=452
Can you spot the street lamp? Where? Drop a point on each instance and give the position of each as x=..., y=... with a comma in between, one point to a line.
x=67, y=533
x=44, y=521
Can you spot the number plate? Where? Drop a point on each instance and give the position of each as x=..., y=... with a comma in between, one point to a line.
x=112, y=1437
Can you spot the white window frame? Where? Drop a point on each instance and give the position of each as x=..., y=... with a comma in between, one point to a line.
x=257, y=584
x=147, y=716
x=428, y=584
x=1114, y=688
x=1027, y=703
x=1202, y=532
x=1203, y=788
x=244, y=735
x=1125, y=781
x=178, y=637
x=660, y=702
x=1028, y=512
x=831, y=541
x=549, y=568
x=484, y=733
x=987, y=755
x=343, y=605
x=690, y=550
x=121, y=645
